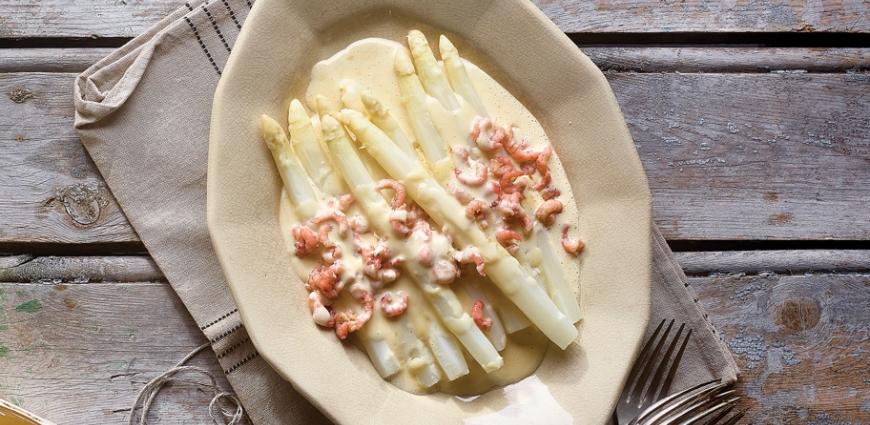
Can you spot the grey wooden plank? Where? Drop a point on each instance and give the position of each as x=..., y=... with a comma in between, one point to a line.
x=802, y=344
x=639, y=59
x=87, y=19
x=648, y=16
x=622, y=59
x=728, y=59
x=774, y=261
x=50, y=190
x=78, y=354
x=50, y=59
x=96, y=18
x=729, y=156
x=753, y=156
x=54, y=269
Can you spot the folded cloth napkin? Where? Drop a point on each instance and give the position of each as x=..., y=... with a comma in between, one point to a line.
x=143, y=114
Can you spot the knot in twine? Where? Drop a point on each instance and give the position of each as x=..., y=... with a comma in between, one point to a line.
x=149, y=392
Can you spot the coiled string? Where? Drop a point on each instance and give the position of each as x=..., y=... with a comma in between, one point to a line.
x=149, y=392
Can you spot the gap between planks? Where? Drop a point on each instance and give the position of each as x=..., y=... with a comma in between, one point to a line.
x=623, y=59
x=100, y=269
x=98, y=19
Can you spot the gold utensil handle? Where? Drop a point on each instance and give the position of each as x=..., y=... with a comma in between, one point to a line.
x=11, y=414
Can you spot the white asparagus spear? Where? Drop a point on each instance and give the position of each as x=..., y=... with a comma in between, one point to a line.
x=418, y=358
x=414, y=100
x=295, y=180
x=430, y=72
x=458, y=77
x=381, y=117
x=310, y=152
x=559, y=285
x=382, y=357
x=450, y=359
x=505, y=271
x=443, y=299
x=495, y=333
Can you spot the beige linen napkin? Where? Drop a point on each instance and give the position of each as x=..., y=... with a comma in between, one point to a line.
x=143, y=114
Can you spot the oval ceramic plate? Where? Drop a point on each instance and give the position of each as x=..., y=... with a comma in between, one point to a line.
x=516, y=44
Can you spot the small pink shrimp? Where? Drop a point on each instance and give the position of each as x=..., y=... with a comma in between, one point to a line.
x=319, y=312
x=445, y=272
x=500, y=165
x=550, y=193
x=399, y=216
x=333, y=215
x=422, y=230
x=348, y=321
x=570, y=246
x=507, y=238
x=517, y=150
x=390, y=270
x=482, y=133
x=509, y=184
x=324, y=280
x=543, y=169
x=547, y=211
x=510, y=206
x=461, y=194
x=461, y=154
x=305, y=241
x=482, y=322
x=345, y=201
x=333, y=250
x=358, y=224
x=495, y=188
x=394, y=308
x=473, y=180
x=425, y=255
x=374, y=257
x=477, y=210
x=471, y=255
x=398, y=200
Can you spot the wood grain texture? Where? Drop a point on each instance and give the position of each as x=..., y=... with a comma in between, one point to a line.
x=728, y=59
x=801, y=342
x=53, y=269
x=775, y=261
x=753, y=156
x=78, y=354
x=50, y=59
x=50, y=190
x=623, y=59
x=706, y=16
x=128, y=18
x=729, y=156
x=85, y=19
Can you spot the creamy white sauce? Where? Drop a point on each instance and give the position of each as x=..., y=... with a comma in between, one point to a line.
x=369, y=63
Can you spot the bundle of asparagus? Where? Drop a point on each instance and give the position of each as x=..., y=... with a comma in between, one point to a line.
x=456, y=201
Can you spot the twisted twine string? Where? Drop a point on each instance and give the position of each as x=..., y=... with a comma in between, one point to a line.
x=149, y=392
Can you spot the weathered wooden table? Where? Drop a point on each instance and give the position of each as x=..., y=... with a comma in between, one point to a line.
x=752, y=119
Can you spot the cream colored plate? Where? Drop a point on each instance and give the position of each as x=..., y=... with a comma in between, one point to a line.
x=516, y=44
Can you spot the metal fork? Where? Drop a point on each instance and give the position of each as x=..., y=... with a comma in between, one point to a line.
x=647, y=373
x=693, y=405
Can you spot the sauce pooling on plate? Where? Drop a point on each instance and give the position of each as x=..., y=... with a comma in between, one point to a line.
x=430, y=230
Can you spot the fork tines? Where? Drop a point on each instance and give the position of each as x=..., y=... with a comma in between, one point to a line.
x=693, y=405
x=655, y=361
